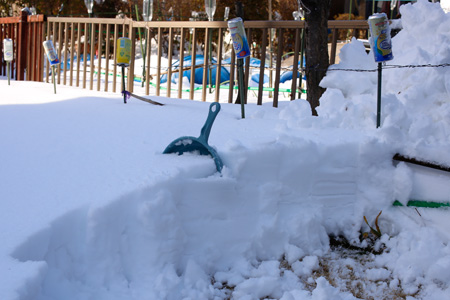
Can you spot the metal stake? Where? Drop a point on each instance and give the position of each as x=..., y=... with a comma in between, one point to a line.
x=53, y=78
x=240, y=65
x=302, y=51
x=379, y=96
x=123, y=85
x=9, y=72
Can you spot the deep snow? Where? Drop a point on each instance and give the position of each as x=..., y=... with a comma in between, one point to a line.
x=92, y=209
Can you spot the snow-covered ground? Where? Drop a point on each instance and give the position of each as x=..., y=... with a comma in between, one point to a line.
x=92, y=209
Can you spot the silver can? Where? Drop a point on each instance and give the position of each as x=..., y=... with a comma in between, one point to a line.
x=51, y=53
x=8, y=53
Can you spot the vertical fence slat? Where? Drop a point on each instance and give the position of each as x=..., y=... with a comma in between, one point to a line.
x=31, y=66
x=47, y=65
x=2, y=37
x=278, y=68
x=55, y=45
x=91, y=62
x=116, y=36
x=219, y=65
x=333, y=47
x=2, y=63
x=132, y=36
x=295, y=66
x=232, y=73
x=14, y=33
x=35, y=61
x=169, y=63
x=158, y=62
x=247, y=66
x=148, y=51
x=54, y=40
x=262, y=66
x=77, y=76
x=124, y=29
x=107, y=53
x=29, y=51
x=59, y=50
x=99, y=55
x=40, y=51
x=22, y=47
x=35, y=52
x=13, y=30
x=6, y=35
x=181, y=66
x=193, y=59
x=85, y=58
x=65, y=60
x=206, y=69
x=72, y=49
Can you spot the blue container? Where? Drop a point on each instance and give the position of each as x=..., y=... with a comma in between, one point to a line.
x=380, y=37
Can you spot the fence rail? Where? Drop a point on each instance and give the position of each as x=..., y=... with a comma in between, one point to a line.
x=80, y=40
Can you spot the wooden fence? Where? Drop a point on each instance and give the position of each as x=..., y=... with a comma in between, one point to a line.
x=80, y=40
x=27, y=34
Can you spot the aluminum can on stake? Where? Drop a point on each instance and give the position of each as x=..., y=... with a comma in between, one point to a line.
x=240, y=43
x=8, y=54
x=51, y=53
x=123, y=52
x=380, y=33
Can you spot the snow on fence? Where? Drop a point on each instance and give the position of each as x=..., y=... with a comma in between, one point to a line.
x=87, y=49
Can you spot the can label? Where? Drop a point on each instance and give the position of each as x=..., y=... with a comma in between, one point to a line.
x=51, y=53
x=380, y=37
x=240, y=43
x=8, y=54
x=123, y=51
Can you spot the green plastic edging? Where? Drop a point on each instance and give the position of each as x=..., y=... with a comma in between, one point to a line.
x=250, y=88
x=225, y=87
x=421, y=203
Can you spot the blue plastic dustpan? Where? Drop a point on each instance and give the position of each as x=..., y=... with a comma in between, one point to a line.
x=200, y=144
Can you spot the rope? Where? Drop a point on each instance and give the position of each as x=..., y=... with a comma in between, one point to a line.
x=387, y=67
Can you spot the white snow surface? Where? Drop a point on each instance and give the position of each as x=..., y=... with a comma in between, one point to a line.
x=92, y=209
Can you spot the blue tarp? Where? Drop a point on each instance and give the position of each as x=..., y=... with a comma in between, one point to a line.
x=254, y=62
x=255, y=78
x=198, y=78
x=287, y=75
x=74, y=60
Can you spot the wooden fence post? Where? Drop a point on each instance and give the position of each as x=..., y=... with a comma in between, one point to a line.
x=22, y=46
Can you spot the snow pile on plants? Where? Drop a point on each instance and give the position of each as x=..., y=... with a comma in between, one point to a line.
x=416, y=103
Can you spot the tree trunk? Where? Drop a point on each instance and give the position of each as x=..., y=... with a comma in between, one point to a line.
x=316, y=53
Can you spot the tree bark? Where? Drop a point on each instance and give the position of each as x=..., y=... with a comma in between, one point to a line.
x=316, y=51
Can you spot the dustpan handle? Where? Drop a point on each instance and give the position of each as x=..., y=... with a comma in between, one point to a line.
x=214, y=109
